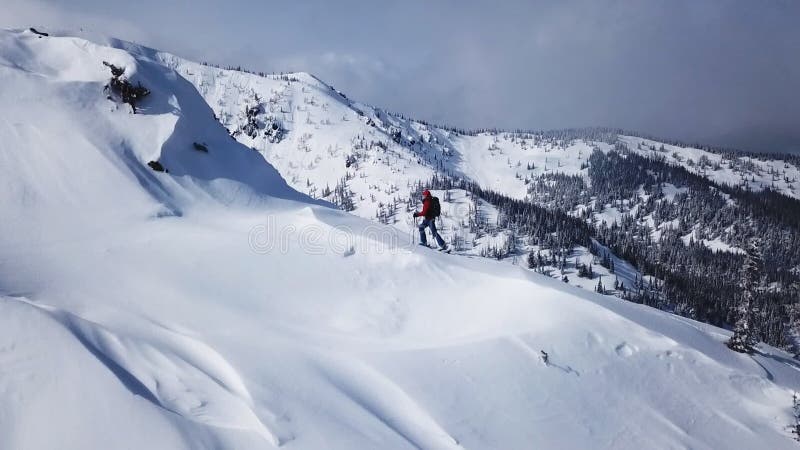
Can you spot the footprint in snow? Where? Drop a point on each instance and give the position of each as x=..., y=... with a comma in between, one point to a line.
x=624, y=350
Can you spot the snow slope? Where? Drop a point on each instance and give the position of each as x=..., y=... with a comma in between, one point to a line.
x=750, y=173
x=323, y=127
x=329, y=140
x=215, y=307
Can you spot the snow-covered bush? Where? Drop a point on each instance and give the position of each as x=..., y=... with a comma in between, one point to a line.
x=122, y=88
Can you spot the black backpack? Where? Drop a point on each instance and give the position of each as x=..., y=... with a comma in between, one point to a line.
x=436, y=208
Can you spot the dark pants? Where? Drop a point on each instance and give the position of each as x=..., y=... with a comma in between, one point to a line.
x=429, y=223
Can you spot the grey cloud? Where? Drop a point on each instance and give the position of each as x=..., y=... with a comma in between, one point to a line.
x=724, y=72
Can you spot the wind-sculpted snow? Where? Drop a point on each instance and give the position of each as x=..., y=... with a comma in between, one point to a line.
x=57, y=108
x=212, y=306
x=387, y=403
x=174, y=371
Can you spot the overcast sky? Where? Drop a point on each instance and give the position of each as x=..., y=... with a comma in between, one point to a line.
x=722, y=72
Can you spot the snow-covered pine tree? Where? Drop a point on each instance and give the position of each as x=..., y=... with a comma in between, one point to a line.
x=745, y=336
x=796, y=413
x=531, y=261
x=343, y=196
x=793, y=314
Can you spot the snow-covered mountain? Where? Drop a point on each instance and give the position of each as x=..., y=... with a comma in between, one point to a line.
x=209, y=304
x=374, y=164
x=320, y=128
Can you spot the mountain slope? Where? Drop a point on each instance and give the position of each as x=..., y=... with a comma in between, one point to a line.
x=680, y=225
x=327, y=126
x=214, y=307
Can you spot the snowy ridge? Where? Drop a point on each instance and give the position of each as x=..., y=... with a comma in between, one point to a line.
x=371, y=162
x=196, y=308
x=750, y=173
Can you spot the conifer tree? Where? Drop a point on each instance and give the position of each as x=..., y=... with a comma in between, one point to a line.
x=745, y=336
x=531, y=261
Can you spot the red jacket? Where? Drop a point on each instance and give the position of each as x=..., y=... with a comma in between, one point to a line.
x=426, y=203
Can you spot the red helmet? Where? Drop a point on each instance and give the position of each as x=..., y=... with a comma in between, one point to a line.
x=426, y=193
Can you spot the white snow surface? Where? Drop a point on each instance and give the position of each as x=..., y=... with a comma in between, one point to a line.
x=744, y=171
x=216, y=307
